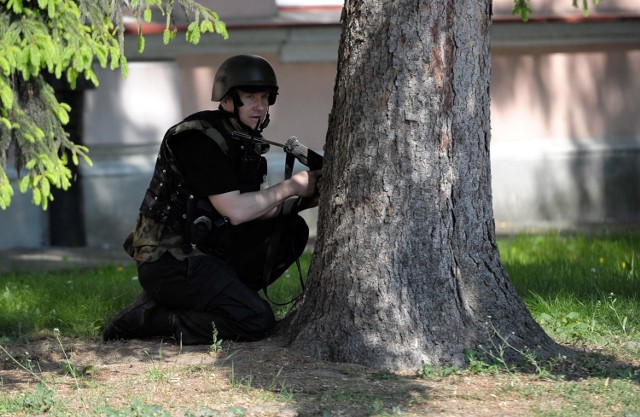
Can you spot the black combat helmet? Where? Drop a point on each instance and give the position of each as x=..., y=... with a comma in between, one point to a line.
x=246, y=73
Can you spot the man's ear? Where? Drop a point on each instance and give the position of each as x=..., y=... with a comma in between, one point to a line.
x=227, y=104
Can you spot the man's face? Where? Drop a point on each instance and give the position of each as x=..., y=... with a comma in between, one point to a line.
x=254, y=107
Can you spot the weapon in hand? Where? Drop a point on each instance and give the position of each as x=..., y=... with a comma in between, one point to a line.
x=292, y=147
x=306, y=156
x=294, y=150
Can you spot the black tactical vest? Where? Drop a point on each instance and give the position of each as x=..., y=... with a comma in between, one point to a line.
x=168, y=199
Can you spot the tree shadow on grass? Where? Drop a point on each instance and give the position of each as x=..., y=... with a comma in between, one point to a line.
x=594, y=364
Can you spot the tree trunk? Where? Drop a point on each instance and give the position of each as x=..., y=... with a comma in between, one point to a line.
x=406, y=267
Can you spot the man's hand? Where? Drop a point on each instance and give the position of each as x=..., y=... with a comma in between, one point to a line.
x=307, y=183
x=308, y=198
x=244, y=207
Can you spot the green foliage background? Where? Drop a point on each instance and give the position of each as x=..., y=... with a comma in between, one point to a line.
x=63, y=39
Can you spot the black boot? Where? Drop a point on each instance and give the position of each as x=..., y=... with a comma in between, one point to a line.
x=142, y=319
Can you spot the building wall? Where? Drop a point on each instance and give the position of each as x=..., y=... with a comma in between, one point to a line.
x=565, y=134
x=566, y=138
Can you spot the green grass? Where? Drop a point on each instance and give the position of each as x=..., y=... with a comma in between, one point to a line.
x=77, y=302
x=579, y=288
x=585, y=291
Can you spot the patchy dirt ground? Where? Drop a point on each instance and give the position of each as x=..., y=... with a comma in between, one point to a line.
x=263, y=379
x=250, y=379
x=267, y=379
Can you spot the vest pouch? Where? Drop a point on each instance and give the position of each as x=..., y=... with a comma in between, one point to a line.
x=252, y=171
x=218, y=238
x=205, y=228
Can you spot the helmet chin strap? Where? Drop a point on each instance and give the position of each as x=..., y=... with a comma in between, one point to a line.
x=237, y=103
x=265, y=122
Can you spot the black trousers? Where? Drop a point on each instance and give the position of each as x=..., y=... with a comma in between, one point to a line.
x=203, y=293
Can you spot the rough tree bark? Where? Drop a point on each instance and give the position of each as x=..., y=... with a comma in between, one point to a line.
x=406, y=267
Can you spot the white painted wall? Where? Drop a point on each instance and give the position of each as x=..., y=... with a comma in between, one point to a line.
x=565, y=132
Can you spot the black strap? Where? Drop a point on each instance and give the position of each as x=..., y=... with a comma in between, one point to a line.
x=273, y=242
x=288, y=166
x=206, y=128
